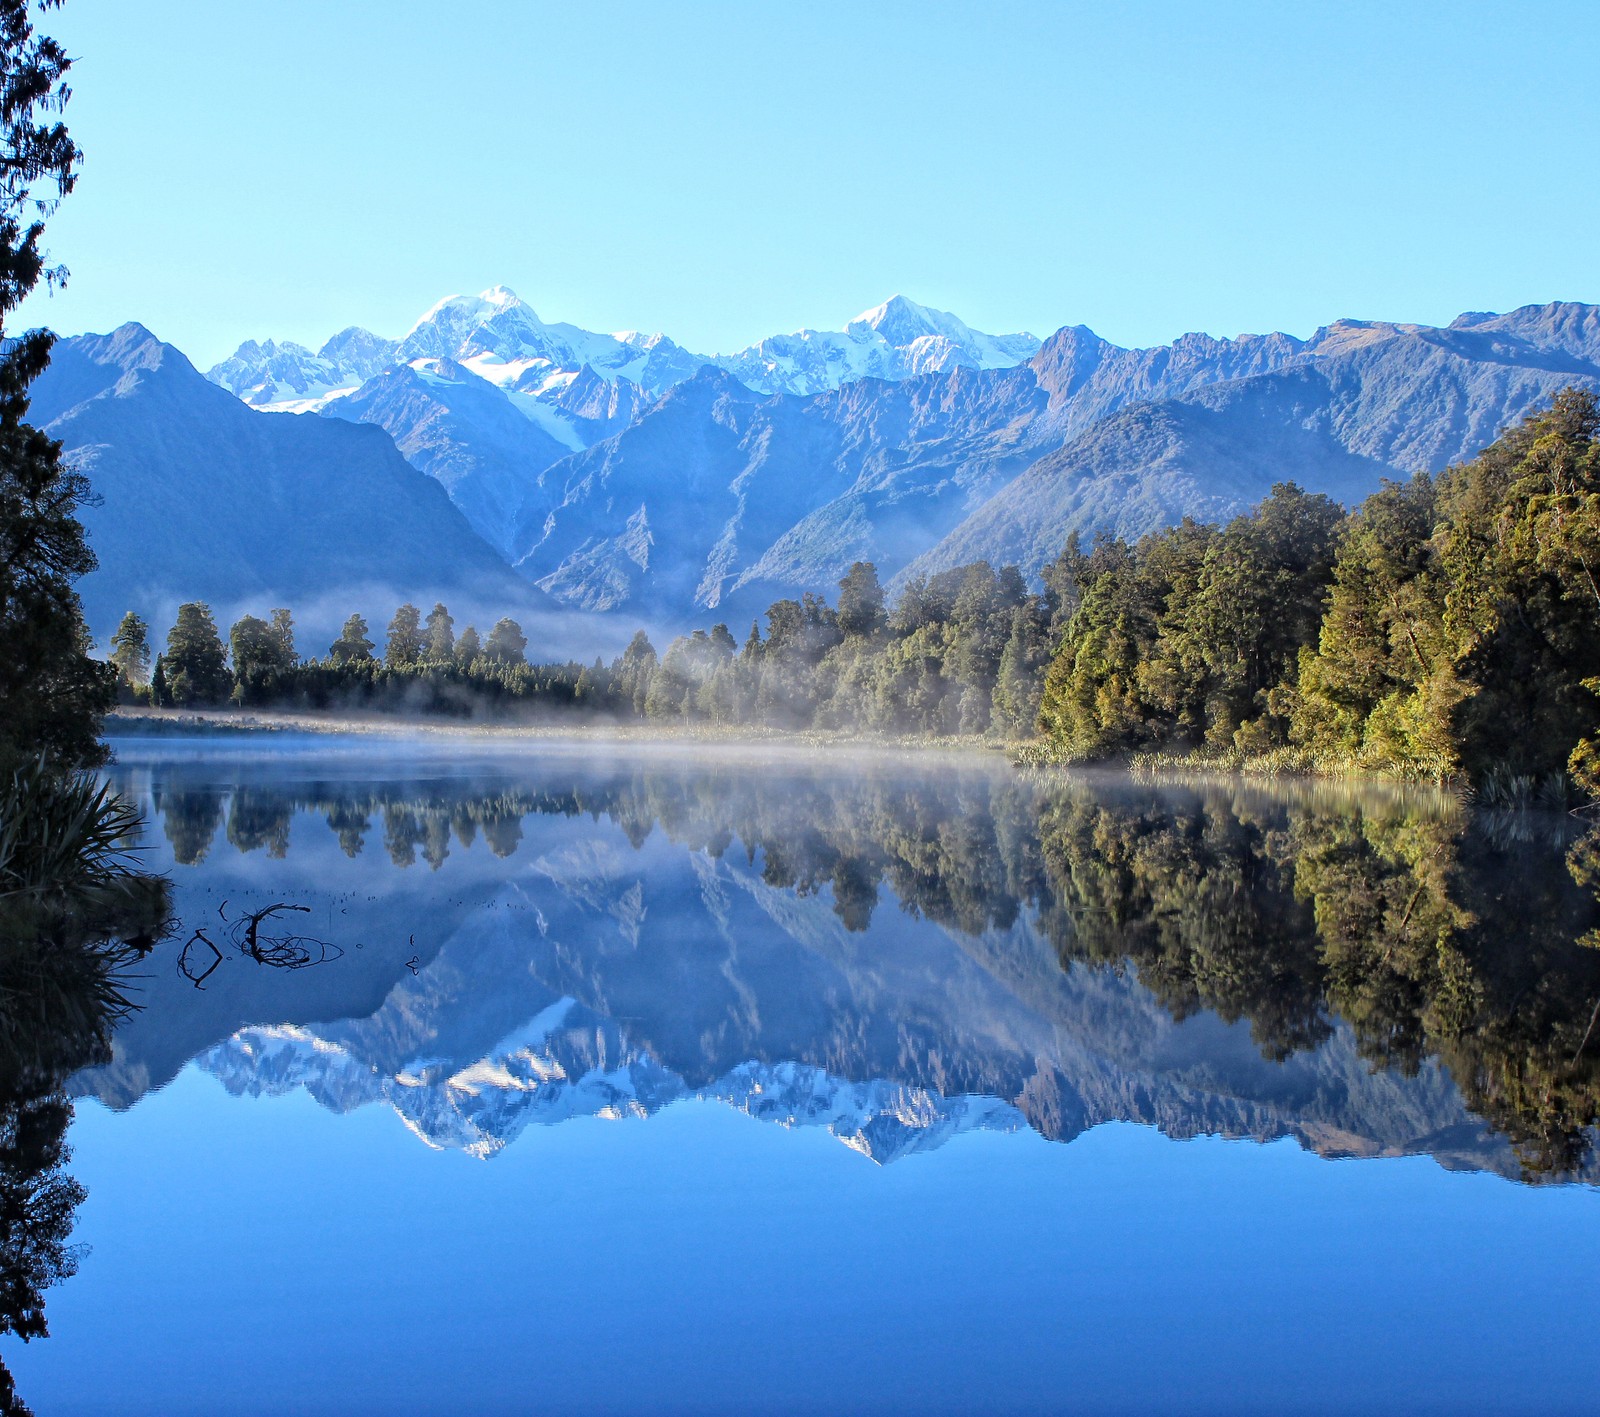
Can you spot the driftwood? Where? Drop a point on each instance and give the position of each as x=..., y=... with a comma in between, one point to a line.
x=254, y=936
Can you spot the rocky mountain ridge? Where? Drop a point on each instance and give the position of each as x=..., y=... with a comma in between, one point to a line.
x=201, y=498
x=648, y=485
x=945, y=468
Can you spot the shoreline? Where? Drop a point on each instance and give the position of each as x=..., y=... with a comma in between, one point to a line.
x=257, y=728
x=134, y=723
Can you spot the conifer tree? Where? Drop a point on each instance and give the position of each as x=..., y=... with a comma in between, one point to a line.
x=1018, y=684
x=861, y=601
x=506, y=643
x=52, y=694
x=353, y=645
x=160, y=691
x=258, y=658
x=130, y=650
x=283, y=631
x=633, y=670
x=468, y=647
x=197, y=668
x=440, y=647
x=404, y=643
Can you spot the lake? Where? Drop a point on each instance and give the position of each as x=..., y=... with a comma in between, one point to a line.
x=670, y=1080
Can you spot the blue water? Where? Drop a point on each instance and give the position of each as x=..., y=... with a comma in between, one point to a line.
x=288, y=1243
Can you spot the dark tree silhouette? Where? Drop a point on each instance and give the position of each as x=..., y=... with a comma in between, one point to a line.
x=52, y=694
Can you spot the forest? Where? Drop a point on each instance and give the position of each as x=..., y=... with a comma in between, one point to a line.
x=1446, y=629
x=962, y=652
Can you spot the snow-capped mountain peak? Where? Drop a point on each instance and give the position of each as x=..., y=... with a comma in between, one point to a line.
x=901, y=321
x=501, y=338
x=288, y=377
x=896, y=340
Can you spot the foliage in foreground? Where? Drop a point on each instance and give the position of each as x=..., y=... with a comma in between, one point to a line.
x=75, y=915
x=75, y=911
x=52, y=693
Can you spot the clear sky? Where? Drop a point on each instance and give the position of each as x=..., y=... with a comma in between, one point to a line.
x=726, y=170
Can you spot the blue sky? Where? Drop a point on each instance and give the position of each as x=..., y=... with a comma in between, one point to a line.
x=722, y=171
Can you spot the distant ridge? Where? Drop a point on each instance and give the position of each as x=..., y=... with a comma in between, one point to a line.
x=617, y=474
x=203, y=499
x=502, y=339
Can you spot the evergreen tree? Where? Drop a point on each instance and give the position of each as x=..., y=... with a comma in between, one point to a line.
x=197, y=667
x=1018, y=683
x=404, y=643
x=440, y=647
x=468, y=647
x=160, y=692
x=258, y=659
x=283, y=630
x=130, y=650
x=353, y=646
x=633, y=670
x=861, y=601
x=671, y=686
x=506, y=643
x=52, y=694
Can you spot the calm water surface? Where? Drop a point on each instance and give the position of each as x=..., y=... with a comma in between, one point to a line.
x=662, y=1083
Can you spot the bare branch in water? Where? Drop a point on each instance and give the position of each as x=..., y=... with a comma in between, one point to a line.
x=252, y=936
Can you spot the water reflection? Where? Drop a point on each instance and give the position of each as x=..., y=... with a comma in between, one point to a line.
x=75, y=920
x=894, y=951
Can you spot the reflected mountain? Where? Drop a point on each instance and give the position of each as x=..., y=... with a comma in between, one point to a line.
x=895, y=949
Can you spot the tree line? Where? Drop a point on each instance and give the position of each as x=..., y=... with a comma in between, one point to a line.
x=961, y=652
x=1448, y=627
x=424, y=666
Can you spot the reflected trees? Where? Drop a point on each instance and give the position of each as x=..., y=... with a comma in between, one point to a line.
x=1428, y=930
x=75, y=915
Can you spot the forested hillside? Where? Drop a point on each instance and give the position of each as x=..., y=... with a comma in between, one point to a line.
x=1447, y=628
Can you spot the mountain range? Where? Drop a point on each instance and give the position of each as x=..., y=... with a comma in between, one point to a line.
x=502, y=339
x=200, y=498
x=620, y=473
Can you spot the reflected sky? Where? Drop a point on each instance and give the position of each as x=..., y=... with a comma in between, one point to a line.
x=582, y=1111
